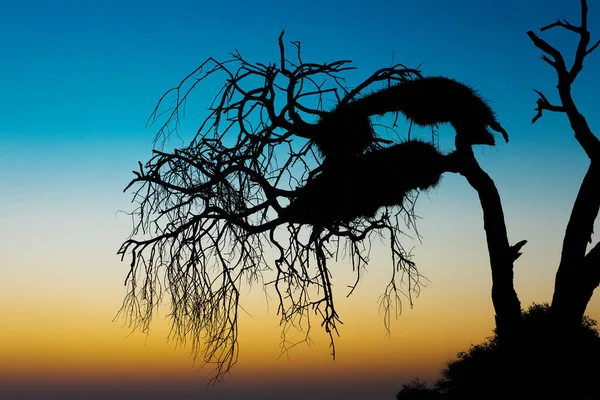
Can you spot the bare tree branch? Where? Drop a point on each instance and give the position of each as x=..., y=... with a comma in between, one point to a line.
x=563, y=24
x=592, y=267
x=558, y=62
x=544, y=104
x=207, y=212
x=582, y=47
x=588, y=141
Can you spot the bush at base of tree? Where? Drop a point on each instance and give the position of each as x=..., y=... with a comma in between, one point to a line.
x=418, y=390
x=538, y=364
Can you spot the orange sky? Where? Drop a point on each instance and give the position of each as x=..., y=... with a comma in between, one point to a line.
x=69, y=341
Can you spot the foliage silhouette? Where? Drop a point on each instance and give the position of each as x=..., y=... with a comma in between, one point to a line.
x=538, y=363
x=418, y=390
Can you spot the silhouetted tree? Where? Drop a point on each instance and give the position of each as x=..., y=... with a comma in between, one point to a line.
x=269, y=167
x=254, y=177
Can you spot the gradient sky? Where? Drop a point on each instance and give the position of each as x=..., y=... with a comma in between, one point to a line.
x=78, y=80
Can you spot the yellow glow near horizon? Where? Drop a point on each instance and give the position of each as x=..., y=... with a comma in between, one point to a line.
x=60, y=305
x=60, y=341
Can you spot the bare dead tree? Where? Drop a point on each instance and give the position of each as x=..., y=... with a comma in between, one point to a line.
x=578, y=273
x=270, y=168
x=207, y=213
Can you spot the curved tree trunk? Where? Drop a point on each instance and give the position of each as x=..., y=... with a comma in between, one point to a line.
x=502, y=255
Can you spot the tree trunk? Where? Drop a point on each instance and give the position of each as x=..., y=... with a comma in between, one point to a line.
x=502, y=256
x=577, y=274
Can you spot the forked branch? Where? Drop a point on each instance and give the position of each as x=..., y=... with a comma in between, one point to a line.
x=566, y=76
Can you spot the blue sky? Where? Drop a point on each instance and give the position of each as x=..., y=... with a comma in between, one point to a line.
x=78, y=80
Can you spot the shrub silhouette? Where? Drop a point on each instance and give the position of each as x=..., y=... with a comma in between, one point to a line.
x=417, y=390
x=539, y=363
